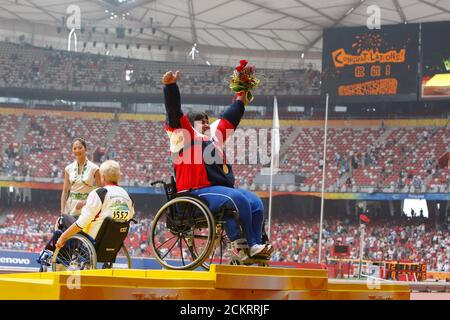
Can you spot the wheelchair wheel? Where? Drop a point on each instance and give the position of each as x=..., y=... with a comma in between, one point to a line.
x=182, y=234
x=221, y=246
x=220, y=251
x=78, y=253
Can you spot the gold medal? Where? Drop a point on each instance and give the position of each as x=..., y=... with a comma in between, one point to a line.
x=225, y=169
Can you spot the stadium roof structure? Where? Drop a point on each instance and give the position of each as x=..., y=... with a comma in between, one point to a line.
x=286, y=27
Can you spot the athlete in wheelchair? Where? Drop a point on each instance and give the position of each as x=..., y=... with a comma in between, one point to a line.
x=203, y=202
x=98, y=233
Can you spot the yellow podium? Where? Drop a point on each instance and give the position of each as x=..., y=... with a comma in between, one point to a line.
x=222, y=282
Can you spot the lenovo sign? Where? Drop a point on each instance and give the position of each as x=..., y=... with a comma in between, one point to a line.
x=19, y=259
x=14, y=261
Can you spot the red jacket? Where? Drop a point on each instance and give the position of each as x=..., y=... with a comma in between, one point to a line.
x=199, y=161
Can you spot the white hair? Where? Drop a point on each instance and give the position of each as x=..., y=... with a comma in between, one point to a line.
x=110, y=170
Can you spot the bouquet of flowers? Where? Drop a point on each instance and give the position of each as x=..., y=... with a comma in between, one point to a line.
x=244, y=80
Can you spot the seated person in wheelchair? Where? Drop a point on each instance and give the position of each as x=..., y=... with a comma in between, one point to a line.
x=194, y=142
x=108, y=201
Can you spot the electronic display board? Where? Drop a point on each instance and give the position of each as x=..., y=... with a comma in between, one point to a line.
x=363, y=65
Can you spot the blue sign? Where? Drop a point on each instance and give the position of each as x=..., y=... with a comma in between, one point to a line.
x=21, y=260
x=18, y=259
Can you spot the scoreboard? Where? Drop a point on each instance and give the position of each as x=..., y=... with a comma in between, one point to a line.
x=362, y=65
x=396, y=269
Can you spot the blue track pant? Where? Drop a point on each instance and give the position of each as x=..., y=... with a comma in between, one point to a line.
x=251, y=210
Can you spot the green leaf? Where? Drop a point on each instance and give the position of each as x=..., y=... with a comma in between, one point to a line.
x=249, y=96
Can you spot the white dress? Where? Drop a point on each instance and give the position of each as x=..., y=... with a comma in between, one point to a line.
x=81, y=185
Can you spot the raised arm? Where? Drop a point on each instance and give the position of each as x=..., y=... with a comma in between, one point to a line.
x=172, y=99
x=223, y=128
x=175, y=118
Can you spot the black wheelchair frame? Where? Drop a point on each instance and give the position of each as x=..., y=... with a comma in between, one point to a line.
x=81, y=252
x=187, y=220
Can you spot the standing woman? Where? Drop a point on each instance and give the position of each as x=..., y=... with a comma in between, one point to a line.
x=79, y=178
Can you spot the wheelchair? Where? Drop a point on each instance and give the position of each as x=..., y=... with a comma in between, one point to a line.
x=81, y=252
x=186, y=235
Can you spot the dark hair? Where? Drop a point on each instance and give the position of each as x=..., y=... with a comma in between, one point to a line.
x=196, y=116
x=80, y=140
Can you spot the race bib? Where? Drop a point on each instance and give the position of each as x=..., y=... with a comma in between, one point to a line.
x=120, y=213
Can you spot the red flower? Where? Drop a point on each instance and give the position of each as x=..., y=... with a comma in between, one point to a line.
x=242, y=65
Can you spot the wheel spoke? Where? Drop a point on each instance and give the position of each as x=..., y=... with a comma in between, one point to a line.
x=221, y=242
x=174, y=243
x=181, y=249
x=76, y=251
x=166, y=242
x=204, y=242
x=84, y=255
x=62, y=259
x=65, y=253
x=189, y=230
x=193, y=254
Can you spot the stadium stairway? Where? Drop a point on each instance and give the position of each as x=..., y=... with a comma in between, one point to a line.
x=112, y=132
x=287, y=143
x=22, y=130
x=387, y=132
x=380, y=141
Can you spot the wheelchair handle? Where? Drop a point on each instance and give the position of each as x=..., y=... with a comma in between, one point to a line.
x=169, y=188
x=158, y=182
